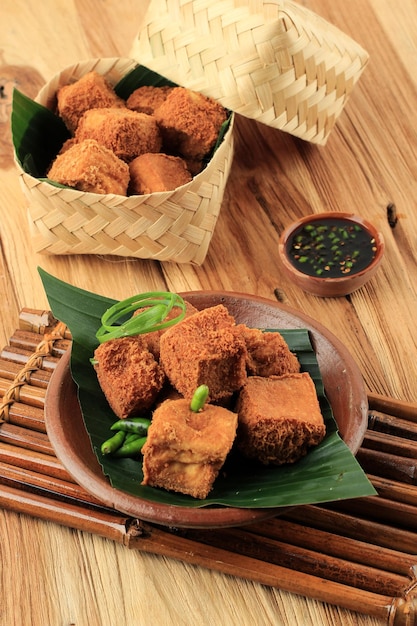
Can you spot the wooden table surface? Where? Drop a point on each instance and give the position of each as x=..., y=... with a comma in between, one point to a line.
x=55, y=576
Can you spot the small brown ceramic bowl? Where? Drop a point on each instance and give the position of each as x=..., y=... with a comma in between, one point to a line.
x=331, y=254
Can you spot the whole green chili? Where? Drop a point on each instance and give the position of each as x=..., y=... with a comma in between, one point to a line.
x=114, y=443
x=130, y=448
x=137, y=425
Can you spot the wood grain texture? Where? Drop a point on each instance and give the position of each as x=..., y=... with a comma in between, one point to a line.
x=64, y=576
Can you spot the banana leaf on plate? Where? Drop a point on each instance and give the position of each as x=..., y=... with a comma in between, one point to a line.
x=328, y=472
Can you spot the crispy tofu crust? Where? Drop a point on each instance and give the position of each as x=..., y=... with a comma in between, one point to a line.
x=190, y=123
x=185, y=450
x=279, y=418
x=153, y=172
x=268, y=353
x=127, y=133
x=152, y=340
x=128, y=374
x=89, y=166
x=92, y=91
x=206, y=348
x=147, y=99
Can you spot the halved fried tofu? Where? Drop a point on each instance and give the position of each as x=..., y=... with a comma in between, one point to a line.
x=185, y=450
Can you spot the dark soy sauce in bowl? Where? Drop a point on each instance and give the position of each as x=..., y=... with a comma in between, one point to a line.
x=330, y=254
x=331, y=247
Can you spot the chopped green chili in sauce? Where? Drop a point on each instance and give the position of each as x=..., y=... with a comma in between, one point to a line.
x=331, y=248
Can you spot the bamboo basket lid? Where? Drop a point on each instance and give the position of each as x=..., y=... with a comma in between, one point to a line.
x=271, y=60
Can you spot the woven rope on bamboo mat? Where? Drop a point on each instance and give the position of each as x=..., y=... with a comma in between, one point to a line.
x=274, y=61
x=357, y=554
x=34, y=362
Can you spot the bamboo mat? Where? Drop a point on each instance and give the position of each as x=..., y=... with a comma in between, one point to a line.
x=358, y=554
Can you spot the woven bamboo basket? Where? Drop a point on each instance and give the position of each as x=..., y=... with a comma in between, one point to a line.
x=166, y=226
x=271, y=60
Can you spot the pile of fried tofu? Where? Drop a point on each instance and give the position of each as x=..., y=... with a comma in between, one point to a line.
x=154, y=141
x=260, y=404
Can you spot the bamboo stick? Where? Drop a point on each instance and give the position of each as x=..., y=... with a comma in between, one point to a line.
x=301, y=559
x=398, y=468
x=34, y=461
x=25, y=438
x=157, y=541
x=346, y=524
x=36, y=320
x=39, y=322
x=398, y=514
x=28, y=341
x=15, y=355
x=383, y=442
x=21, y=478
x=27, y=416
x=25, y=393
x=325, y=542
x=394, y=490
x=392, y=406
x=38, y=378
x=108, y=524
x=392, y=425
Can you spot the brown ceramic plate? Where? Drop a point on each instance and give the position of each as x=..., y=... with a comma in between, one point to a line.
x=342, y=381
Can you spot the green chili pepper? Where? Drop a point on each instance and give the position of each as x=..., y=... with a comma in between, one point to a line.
x=199, y=398
x=114, y=443
x=130, y=448
x=131, y=437
x=137, y=425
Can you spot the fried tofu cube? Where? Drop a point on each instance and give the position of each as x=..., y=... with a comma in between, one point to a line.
x=91, y=91
x=128, y=374
x=279, y=418
x=268, y=353
x=190, y=123
x=153, y=338
x=205, y=348
x=154, y=172
x=147, y=99
x=127, y=133
x=90, y=167
x=185, y=450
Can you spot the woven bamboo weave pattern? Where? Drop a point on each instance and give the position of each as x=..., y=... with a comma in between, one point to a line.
x=273, y=61
x=167, y=226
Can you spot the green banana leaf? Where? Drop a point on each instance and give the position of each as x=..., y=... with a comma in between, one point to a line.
x=38, y=133
x=328, y=472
